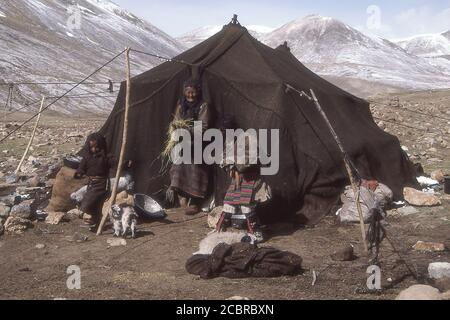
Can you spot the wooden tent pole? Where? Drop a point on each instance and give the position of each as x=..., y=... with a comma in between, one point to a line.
x=355, y=187
x=112, y=199
x=31, y=138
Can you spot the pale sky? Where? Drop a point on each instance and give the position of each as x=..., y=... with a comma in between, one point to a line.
x=390, y=19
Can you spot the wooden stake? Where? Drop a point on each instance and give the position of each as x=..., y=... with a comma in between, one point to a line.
x=112, y=199
x=354, y=184
x=32, y=137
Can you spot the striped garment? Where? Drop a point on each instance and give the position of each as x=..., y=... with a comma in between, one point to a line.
x=241, y=195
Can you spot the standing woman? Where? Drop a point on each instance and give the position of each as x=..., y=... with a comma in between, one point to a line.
x=190, y=181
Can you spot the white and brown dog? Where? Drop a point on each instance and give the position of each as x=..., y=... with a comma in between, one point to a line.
x=124, y=218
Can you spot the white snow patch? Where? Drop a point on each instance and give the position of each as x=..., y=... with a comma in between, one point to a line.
x=425, y=181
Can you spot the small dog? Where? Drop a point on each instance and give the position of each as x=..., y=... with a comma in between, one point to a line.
x=124, y=218
x=214, y=238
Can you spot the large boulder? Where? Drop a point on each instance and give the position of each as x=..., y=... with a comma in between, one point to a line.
x=419, y=198
x=64, y=185
x=16, y=225
x=420, y=292
x=439, y=270
x=438, y=175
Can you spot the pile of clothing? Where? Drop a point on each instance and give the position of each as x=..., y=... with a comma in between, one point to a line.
x=244, y=260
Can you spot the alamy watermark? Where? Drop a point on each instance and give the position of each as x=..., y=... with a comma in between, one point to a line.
x=374, y=280
x=74, y=280
x=241, y=147
x=75, y=18
x=374, y=20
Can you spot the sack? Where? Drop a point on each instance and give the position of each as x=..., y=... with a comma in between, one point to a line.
x=64, y=185
x=368, y=200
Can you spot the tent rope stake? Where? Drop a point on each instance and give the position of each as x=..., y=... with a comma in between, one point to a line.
x=347, y=161
x=31, y=138
x=354, y=183
x=112, y=199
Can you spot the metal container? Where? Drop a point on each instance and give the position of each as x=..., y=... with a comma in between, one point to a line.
x=447, y=184
x=147, y=207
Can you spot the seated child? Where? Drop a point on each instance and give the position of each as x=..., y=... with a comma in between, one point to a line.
x=95, y=165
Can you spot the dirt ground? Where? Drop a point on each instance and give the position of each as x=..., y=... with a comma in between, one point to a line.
x=153, y=265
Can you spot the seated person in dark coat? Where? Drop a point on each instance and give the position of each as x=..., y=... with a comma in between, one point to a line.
x=95, y=165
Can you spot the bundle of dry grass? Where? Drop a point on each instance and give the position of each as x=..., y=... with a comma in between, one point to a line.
x=172, y=138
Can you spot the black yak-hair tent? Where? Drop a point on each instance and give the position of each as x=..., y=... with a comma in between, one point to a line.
x=247, y=79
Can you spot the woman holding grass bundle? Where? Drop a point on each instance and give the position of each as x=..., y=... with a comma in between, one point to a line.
x=190, y=181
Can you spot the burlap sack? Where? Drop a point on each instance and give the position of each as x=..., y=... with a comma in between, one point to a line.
x=64, y=185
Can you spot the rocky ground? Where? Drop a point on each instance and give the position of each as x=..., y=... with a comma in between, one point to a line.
x=35, y=255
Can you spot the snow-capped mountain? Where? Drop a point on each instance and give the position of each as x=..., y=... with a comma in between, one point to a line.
x=427, y=45
x=435, y=48
x=194, y=37
x=64, y=41
x=354, y=60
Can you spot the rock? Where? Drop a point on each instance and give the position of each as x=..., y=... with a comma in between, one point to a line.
x=23, y=210
x=77, y=237
x=442, y=284
x=34, y=182
x=344, y=254
x=75, y=213
x=418, y=198
x=17, y=225
x=40, y=246
x=429, y=246
x=53, y=170
x=8, y=188
x=54, y=217
x=11, y=178
x=2, y=228
x=420, y=292
x=439, y=270
x=214, y=216
x=4, y=210
x=237, y=298
x=9, y=200
x=116, y=242
x=438, y=175
x=408, y=210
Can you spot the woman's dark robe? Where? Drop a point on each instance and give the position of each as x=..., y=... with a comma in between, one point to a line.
x=191, y=180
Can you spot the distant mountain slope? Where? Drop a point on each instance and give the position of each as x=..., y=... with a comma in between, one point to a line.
x=198, y=35
x=36, y=45
x=354, y=60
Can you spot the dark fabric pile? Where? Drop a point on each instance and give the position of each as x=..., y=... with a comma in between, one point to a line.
x=244, y=78
x=244, y=260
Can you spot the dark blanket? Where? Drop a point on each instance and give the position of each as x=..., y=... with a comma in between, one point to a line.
x=244, y=260
x=190, y=179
